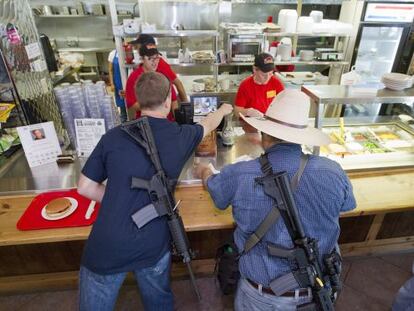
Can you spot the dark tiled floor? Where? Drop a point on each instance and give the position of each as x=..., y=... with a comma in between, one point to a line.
x=370, y=284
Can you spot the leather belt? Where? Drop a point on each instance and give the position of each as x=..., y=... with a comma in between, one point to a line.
x=303, y=292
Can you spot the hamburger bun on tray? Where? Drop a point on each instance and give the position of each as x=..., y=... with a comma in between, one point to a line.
x=58, y=207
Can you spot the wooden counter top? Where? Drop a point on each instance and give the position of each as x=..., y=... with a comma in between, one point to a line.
x=374, y=194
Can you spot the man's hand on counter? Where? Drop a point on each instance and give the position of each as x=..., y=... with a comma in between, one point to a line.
x=203, y=172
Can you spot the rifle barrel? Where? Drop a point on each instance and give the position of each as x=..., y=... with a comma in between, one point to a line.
x=287, y=196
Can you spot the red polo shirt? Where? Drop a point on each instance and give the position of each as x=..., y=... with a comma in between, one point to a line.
x=130, y=98
x=257, y=96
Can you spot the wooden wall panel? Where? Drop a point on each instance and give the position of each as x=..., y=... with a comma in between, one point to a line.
x=354, y=229
x=40, y=258
x=397, y=225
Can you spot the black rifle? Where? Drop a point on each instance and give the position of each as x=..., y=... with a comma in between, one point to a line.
x=305, y=252
x=161, y=190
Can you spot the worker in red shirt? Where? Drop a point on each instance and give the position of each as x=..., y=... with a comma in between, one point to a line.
x=163, y=66
x=150, y=58
x=257, y=91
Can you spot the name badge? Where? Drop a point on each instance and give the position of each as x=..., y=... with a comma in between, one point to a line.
x=271, y=94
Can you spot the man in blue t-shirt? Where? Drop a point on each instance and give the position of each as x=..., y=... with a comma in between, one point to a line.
x=116, y=245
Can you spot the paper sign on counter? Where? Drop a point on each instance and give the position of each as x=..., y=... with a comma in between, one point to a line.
x=88, y=134
x=40, y=143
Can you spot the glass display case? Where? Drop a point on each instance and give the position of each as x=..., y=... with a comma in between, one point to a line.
x=363, y=143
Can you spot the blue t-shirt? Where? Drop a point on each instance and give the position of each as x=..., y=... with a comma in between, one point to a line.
x=115, y=243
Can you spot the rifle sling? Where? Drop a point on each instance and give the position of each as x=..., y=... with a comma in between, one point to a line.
x=274, y=213
x=156, y=208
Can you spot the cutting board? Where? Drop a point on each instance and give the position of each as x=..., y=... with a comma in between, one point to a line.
x=32, y=218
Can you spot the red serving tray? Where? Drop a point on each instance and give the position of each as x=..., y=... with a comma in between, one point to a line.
x=32, y=218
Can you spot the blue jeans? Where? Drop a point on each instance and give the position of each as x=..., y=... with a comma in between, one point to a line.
x=99, y=292
x=404, y=301
x=249, y=298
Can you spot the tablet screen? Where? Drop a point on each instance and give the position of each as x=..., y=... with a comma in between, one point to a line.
x=203, y=105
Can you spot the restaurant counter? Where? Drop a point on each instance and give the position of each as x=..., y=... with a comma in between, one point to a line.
x=45, y=259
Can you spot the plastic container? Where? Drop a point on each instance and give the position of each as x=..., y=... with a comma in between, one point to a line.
x=290, y=21
x=285, y=51
x=317, y=16
x=281, y=19
x=305, y=24
x=306, y=55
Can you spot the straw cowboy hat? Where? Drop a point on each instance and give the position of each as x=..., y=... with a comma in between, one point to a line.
x=287, y=119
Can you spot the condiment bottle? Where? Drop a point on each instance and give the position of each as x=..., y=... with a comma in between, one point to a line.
x=228, y=131
x=129, y=54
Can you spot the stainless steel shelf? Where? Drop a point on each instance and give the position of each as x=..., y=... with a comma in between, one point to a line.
x=178, y=33
x=174, y=62
x=85, y=50
x=70, y=16
x=291, y=62
x=236, y=64
x=296, y=34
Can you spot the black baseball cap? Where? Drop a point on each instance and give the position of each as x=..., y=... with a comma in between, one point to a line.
x=143, y=39
x=264, y=62
x=144, y=51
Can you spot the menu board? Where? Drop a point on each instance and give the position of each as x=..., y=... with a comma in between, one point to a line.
x=40, y=143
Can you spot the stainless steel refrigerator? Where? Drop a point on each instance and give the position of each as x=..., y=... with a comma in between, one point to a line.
x=383, y=42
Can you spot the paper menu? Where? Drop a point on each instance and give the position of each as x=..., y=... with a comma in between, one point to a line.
x=88, y=134
x=40, y=143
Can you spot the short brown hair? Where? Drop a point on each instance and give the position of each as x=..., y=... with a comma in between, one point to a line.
x=151, y=90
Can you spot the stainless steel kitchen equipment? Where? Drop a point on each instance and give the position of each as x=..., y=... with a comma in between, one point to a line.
x=243, y=47
x=328, y=54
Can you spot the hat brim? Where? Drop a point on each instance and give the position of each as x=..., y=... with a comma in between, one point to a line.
x=134, y=42
x=149, y=52
x=267, y=67
x=307, y=136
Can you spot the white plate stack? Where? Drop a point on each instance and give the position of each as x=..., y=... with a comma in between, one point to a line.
x=397, y=81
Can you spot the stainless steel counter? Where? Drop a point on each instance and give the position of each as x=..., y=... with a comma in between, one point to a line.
x=19, y=178
x=247, y=145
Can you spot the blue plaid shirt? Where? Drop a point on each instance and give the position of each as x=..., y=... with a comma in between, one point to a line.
x=323, y=192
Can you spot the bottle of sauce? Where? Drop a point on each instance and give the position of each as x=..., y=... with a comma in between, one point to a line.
x=129, y=54
x=228, y=131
